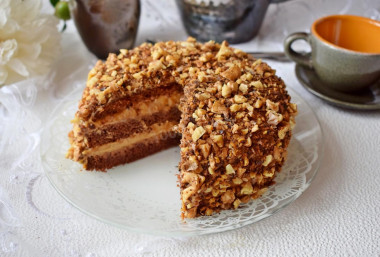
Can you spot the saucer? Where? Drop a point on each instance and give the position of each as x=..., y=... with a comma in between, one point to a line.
x=368, y=99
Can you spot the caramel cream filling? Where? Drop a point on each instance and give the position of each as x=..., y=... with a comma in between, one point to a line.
x=156, y=132
x=162, y=103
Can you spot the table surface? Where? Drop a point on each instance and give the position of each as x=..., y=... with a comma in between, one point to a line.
x=337, y=216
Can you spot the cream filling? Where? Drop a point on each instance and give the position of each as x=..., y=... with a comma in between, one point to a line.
x=162, y=103
x=154, y=133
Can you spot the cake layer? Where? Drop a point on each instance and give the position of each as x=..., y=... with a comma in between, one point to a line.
x=132, y=152
x=139, y=117
x=124, y=129
x=162, y=104
x=163, y=130
x=120, y=102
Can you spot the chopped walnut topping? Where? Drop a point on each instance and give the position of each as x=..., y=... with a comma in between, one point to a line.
x=218, y=139
x=255, y=128
x=190, y=164
x=138, y=75
x=274, y=118
x=292, y=122
x=256, y=63
x=246, y=161
x=203, y=96
x=259, y=103
x=282, y=132
x=233, y=85
x=224, y=52
x=248, y=107
x=205, y=149
x=228, y=196
x=269, y=173
x=209, y=212
x=156, y=65
x=232, y=73
x=92, y=82
x=243, y=88
x=268, y=160
x=240, y=172
x=236, y=203
x=262, y=191
x=229, y=169
x=237, y=181
x=191, y=125
x=277, y=153
x=208, y=190
x=235, y=107
x=215, y=192
x=200, y=112
x=219, y=108
x=248, y=143
x=246, y=189
x=240, y=99
x=235, y=128
x=198, y=133
x=157, y=53
x=257, y=84
x=226, y=91
x=208, y=128
x=271, y=105
x=293, y=106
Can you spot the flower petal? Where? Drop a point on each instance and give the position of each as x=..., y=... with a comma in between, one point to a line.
x=4, y=14
x=17, y=66
x=29, y=42
x=3, y=75
x=8, y=49
x=31, y=50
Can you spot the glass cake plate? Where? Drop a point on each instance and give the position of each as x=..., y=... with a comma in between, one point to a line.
x=144, y=196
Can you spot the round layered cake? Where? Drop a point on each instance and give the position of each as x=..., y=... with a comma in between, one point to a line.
x=230, y=114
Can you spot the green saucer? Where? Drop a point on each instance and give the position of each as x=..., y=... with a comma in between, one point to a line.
x=368, y=99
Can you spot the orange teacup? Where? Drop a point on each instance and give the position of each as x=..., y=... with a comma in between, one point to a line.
x=345, y=51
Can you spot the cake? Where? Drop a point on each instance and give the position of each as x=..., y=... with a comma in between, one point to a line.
x=230, y=113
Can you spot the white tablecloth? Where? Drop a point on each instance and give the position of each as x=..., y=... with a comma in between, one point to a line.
x=337, y=216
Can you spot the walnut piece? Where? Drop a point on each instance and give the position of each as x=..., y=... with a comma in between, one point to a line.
x=228, y=197
x=235, y=107
x=232, y=73
x=229, y=169
x=218, y=139
x=268, y=160
x=198, y=133
x=226, y=91
x=240, y=99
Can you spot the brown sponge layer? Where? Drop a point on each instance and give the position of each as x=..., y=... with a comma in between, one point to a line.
x=113, y=132
x=132, y=153
x=119, y=104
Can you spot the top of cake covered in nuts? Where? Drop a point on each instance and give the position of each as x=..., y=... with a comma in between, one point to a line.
x=148, y=67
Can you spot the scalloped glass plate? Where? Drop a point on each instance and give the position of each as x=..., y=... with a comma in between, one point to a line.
x=143, y=196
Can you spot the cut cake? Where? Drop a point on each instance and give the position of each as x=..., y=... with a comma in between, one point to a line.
x=231, y=112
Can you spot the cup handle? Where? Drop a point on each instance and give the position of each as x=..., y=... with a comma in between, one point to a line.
x=303, y=59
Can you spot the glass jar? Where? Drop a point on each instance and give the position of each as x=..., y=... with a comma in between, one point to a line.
x=236, y=21
x=106, y=26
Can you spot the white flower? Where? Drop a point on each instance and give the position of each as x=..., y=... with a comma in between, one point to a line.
x=29, y=40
